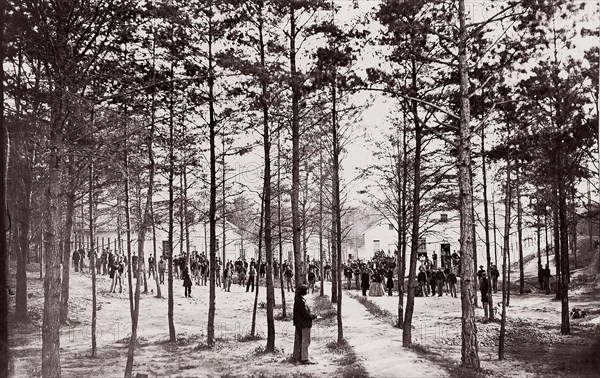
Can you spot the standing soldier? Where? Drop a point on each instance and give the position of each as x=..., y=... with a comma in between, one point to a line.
x=495, y=275
x=452, y=283
x=483, y=288
x=303, y=323
x=162, y=266
x=76, y=258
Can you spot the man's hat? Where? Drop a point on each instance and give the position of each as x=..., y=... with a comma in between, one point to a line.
x=303, y=287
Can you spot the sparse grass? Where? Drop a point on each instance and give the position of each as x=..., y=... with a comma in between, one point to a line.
x=420, y=349
x=324, y=307
x=373, y=308
x=340, y=348
x=248, y=337
x=350, y=367
x=280, y=317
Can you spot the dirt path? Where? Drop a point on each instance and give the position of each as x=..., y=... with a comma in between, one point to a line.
x=379, y=346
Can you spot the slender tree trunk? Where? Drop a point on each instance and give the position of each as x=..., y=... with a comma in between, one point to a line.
x=337, y=212
x=538, y=228
x=573, y=227
x=152, y=162
x=270, y=348
x=505, y=250
x=565, y=327
x=133, y=301
x=495, y=228
x=556, y=231
x=321, y=251
x=416, y=215
x=260, y=239
x=172, y=333
x=22, y=191
x=486, y=225
x=469, y=350
x=3, y=242
x=401, y=212
x=474, y=245
x=66, y=245
x=520, y=232
x=93, y=256
x=52, y=256
x=280, y=227
x=212, y=216
x=296, y=95
x=334, y=253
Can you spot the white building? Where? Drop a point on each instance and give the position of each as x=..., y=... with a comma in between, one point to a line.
x=440, y=229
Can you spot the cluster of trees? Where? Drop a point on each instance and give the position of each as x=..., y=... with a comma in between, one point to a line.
x=125, y=102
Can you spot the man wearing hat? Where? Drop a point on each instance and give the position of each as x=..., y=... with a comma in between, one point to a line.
x=303, y=323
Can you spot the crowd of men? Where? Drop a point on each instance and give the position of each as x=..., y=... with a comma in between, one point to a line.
x=376, y=275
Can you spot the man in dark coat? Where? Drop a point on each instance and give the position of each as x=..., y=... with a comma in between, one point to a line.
x=495, y=275
x=547, y=276
x=452, y=283
x=302, y=322
x=439, y=281
x=483, y=289
x=422, y=281
x=364, y=281
x=390, y=281
x=76, y=258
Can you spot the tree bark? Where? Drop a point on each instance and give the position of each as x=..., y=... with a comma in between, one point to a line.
x=565, y=327
x=486, y=225
x=66, y=262
x=92, y=256
x=416, y=215
x=3, y=242
x=520, y=231
x=172, y=333
x=296, y=95
x=469, y=350
x=260, y=239
x=52, y=256
x=212, y=216
x=270, y=348
x=505, y=252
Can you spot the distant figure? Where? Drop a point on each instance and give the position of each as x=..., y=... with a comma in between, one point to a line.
x=288, y=274
x=547, y=276
x=311, y=280
x=364, y=281
x=541, y=276
x=242, y=276
x=303, y=323
x=452, y=283
x=390, y=281
x=376, y=288
x=348, y=275
x=422, y=281
x=76, y=258
x=227, y=276
x=151, y=267
x=495, y=275
x=483, y=288
x=328, y=271
x=439, y=281
x=187, y=282
x=480, y=273
x=251, y=277
x=162, y=266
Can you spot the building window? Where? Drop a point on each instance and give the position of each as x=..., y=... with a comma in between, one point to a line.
x=444, y=218
x=375, y=245
x=422, y=245
x=391, y=226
